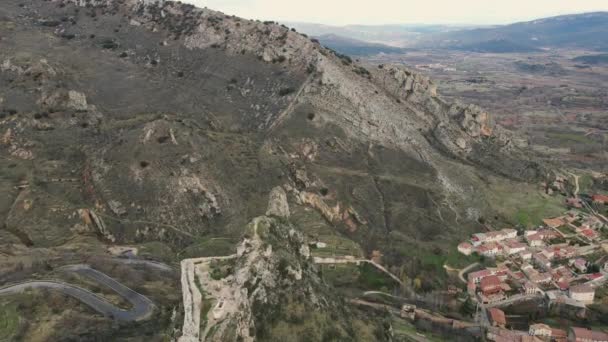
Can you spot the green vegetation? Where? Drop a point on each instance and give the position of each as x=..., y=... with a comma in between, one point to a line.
x=337, y=246
x=340, y=275
x=220, y=269
x=456, y=259
x=569, y=137
x=157, y=250
x=208, y=247
x=533, y=213
x=9, y=322
x=372, y=278
x=566, y=230
x=405, y=331
x=521, y=204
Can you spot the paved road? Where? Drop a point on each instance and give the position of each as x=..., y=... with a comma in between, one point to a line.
x=153, y=264
x=142, y=306
x=465, y=270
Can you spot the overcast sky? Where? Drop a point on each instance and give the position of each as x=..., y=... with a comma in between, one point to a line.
x=341, y=12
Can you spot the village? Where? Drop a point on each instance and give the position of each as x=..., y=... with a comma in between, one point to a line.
x=564, y=262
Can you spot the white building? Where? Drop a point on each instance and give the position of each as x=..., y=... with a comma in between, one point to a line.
x=540, y=330
x=583, y=293
x=465, y=248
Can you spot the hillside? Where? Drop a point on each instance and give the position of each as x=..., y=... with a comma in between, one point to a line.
x=160, y=129
x=587, y=31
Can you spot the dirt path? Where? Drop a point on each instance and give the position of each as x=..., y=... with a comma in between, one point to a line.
x=353, y=260
x=577, y=188
x=284, y=114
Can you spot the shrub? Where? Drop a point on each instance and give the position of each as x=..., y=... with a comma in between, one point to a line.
x=109, y=44
x=286, y=91
x=279, y=59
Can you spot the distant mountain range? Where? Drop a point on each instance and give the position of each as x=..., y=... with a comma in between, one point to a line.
x=586, y=31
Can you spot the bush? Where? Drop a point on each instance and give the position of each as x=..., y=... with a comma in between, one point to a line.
x=286, y=91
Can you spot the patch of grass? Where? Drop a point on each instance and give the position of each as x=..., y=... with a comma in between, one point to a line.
x=340, y=275
x=566, y=230
x=569, y=137
x=208, y=247
x=456, y=259
x=9, y=322
x=371, y=278
x=521, y=204
x=408, y=332
x=157, y=250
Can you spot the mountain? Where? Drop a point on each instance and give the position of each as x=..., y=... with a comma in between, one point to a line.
x=592, y=59
x=356, y=47
x=588, y=31
x=145, y=139
x=393, y=35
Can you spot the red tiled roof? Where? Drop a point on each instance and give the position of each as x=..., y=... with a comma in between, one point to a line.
x=490, y=283
x=600, y=198
x=590, y=335
x=553, y=222
x=498, y=316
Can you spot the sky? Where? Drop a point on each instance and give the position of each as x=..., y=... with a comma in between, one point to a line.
x=376, y=12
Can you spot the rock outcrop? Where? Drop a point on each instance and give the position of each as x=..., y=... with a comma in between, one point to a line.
x=277, y=203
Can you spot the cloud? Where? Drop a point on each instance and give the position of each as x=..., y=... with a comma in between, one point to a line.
x=401, y=11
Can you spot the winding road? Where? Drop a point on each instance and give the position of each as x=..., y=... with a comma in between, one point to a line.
x=142, y=307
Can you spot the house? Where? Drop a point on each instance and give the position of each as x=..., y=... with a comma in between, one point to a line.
x=561, y=274
x=497, y=318
x=489, y=249
x=580, y=265
x=465, y=248
x=535, y=240
x=574, y=202
x=504, y=335
x=475, y=277
x=478, y=238
x=530, y=288
x=565, y=252
x=525, y=254
x=554, y=222
x=490, y=285
x=595, y=276
x=583, y=293
x=563, y=285
x=590, y=234
x=559, y=335
x=471, y=287
x=513, y=246
x=540, y=330
x=492, y=298
x=586, y=335
x=541, y=261
x=541, y=278
x=600, y=199
x=548, y=253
